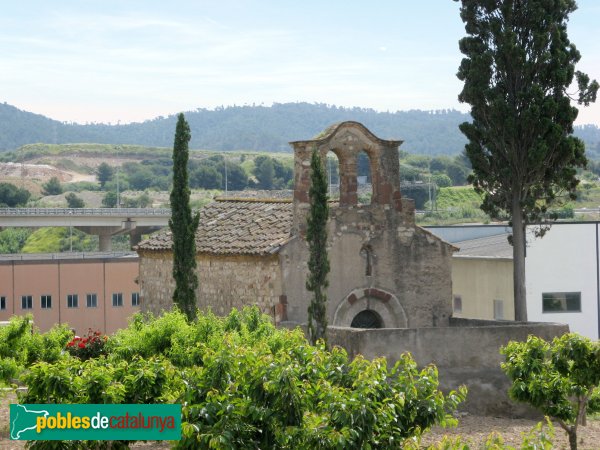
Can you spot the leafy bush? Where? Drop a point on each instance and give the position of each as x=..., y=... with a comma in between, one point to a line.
x=243, y=383
x=22, y=345
x=557, y=378
x=250, y=385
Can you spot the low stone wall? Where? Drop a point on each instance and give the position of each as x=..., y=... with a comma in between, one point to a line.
x=463, y=354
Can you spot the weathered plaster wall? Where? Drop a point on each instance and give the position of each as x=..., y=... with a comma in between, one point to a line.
x=465, y=353
x=225, y=282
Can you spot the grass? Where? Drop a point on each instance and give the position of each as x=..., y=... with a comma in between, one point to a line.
x=457, y=197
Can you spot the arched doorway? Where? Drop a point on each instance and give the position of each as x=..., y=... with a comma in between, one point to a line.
x=367, y=319
x=372, y=306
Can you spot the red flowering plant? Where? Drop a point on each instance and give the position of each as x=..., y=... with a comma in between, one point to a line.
x=90, y=346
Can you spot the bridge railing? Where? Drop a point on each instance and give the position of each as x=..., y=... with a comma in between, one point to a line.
x=129, y=212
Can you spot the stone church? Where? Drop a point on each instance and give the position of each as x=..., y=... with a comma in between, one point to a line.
x=386, y=272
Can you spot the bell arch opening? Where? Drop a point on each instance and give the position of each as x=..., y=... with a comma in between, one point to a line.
x=364, y=180
x=332, y=169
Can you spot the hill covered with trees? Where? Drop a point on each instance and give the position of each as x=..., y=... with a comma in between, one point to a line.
x=264, y=128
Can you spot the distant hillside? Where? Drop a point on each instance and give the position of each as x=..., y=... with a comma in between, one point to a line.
x=252, y=128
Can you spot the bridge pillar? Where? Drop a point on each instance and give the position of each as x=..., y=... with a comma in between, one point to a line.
x=104, y=234
x=104, y=242
x=135, y=237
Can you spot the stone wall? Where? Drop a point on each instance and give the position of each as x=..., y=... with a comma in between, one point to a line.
x=225, y=282
x=467, y=352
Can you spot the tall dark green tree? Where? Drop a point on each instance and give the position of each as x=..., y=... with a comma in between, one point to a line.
x=104, y=173
x=183, y=225
x=52, y=187
x=517, y=68
x=318, y=262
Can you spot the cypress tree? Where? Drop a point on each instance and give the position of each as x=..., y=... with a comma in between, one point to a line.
x=519, y=64
x=183, y=225
x=318, y=263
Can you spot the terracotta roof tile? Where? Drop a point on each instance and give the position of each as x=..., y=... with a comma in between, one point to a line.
x=235, y=227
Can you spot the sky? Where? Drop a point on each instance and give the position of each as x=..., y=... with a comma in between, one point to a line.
x=115, y=61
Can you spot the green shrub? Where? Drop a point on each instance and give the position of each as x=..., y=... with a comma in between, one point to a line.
x=558, y=378
x=243, y=383
x=23, y=343
x=9, y=369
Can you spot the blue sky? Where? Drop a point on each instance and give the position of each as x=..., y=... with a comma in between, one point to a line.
x=114, y=60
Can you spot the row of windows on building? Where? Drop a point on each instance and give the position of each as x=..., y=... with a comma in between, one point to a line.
x=91, y=301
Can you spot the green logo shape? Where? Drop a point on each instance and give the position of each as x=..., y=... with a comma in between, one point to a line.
x=129, y=422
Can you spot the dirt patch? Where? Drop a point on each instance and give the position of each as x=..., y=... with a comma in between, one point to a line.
x=476, y=430
x=41, y=172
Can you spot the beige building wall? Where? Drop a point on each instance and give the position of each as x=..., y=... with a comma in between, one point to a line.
x=59, y=278
x=225, y=282
x=483, y=288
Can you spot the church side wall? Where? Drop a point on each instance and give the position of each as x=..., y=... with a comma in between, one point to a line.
x=225, y=282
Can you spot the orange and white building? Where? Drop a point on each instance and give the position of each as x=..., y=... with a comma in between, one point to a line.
x=85, y=290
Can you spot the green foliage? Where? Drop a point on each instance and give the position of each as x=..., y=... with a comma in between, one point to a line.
x=251, y=385
x=12, y=240
x=110, y=199
x=318, y=260
x=100, y=381
x=242, y=383
x=271, y=173
x=73, y=201
x=441, y=180
x=420, y=193
x=142, y=201
x=52, y=187
x=59, y=239
x=11, y=195
x=456, y=197
x=183, y=225
x=21, y=345
x=80, y=186
x=104, y=173
x=557, y=378
x=517, y=68
x=264, y=172
x=206, y=176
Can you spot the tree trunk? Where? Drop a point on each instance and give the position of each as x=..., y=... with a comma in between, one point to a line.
x=572, y=439
x=518, y=233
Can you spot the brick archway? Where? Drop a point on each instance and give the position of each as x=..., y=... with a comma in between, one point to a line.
x=384, y=303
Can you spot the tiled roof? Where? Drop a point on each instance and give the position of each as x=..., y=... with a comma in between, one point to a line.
x=496, y=246
x=235, y=227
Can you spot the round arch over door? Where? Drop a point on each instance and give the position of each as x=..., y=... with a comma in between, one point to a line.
x=367, y=319
x=380, y=302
